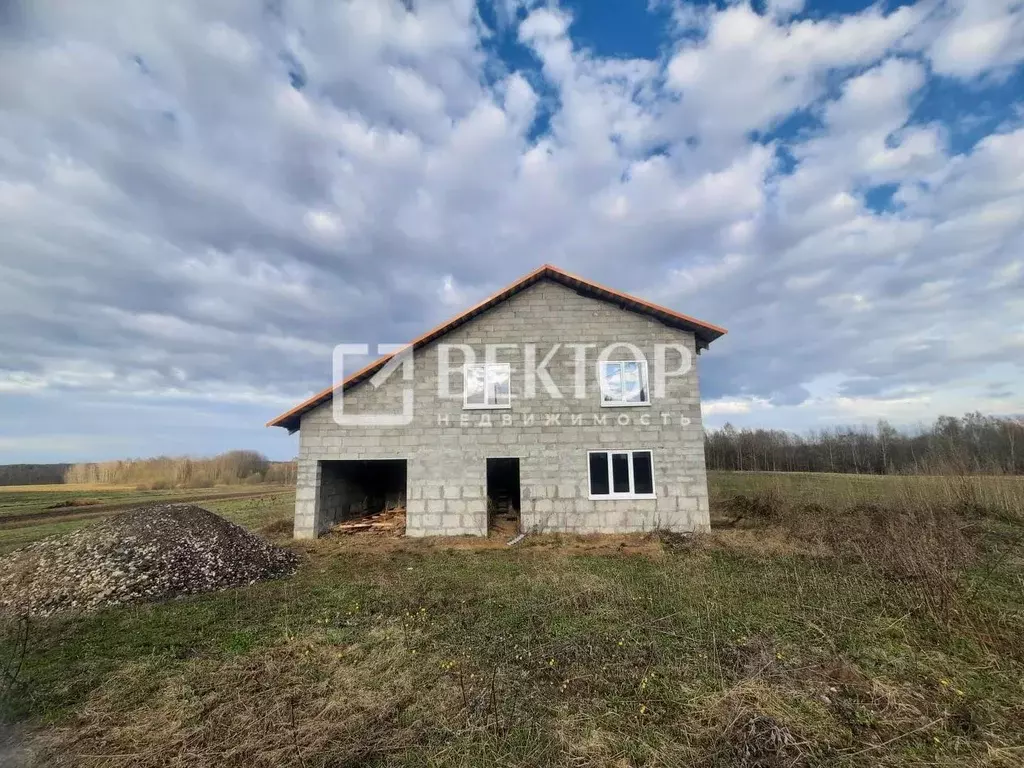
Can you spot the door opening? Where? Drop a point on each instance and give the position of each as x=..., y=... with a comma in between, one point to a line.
x=351, y=490
x=503, y=496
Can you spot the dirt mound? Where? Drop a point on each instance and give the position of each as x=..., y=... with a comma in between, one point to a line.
x=147, y=553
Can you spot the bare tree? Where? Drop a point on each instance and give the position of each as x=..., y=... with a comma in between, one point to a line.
x=973, y=443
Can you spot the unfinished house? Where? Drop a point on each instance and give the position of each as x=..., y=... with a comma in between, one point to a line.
x=557, y=404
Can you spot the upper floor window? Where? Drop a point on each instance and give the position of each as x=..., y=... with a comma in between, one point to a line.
x=624, y=382
x=487, y=385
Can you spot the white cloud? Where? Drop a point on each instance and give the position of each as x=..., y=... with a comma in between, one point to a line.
x=751, y=70
x=323, y=223
x=544, y=25
x=732, y=406
x=784, y=8
x=977, y=37
x=197, y=201
x=865, y=138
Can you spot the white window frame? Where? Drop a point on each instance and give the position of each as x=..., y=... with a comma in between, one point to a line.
x=485, y=405
x=624, y=403
x=611, y=478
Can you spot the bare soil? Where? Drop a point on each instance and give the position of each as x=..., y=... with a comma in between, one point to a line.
x=567, y=543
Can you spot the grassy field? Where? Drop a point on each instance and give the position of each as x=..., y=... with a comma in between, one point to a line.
x=49, y=499
x=995, y=492
x=47, y=510
x=842, y=621
x=66, y=487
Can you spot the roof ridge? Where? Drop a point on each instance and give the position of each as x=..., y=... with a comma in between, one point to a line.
x=705, y=332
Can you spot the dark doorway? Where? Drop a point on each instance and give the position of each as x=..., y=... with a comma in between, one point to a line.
x=503, y=496
x=356, y=489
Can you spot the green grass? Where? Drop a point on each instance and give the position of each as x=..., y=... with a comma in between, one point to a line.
x=13, y=538
x=629, y=655
x=724, y=652
x=258, y=512
x=274, y=503
x=40, y=499
x=1002, y=491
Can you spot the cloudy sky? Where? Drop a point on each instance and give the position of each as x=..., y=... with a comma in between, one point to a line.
x=199, y=199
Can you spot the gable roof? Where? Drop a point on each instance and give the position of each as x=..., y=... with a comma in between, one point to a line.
x=705, y=332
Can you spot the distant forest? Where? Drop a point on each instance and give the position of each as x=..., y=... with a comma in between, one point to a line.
x=973, y=444
x=32, y=474
x=231, y=468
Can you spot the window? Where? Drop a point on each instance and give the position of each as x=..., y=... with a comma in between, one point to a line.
x=487, y=385
x=621, y=475
x=624, y=382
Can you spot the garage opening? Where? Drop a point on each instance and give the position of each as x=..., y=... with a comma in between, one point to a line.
x=503, y=496
x=363, y=494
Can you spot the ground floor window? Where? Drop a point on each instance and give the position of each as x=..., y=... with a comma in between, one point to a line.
x=621, y=475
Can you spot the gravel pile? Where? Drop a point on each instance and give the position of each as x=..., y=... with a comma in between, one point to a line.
x=147, y=553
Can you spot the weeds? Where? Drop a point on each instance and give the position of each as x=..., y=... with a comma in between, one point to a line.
x=11, y=666
x=752, y=740
x=764, y=507
x=818, y=641
x=925, y=547
x=748, y=658
x=298, y=704
x=278, y=528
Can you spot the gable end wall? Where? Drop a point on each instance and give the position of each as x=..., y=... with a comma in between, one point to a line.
x=447, y=459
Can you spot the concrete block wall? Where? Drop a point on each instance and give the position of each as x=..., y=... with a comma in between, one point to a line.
x=307, y=502
x=446, y=446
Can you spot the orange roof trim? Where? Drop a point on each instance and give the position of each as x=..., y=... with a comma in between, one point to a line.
x=705, y=332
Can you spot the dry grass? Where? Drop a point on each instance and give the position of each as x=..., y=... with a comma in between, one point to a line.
x=925, y=551
x=749, y=739
x=282, y=527
x=805, y=635
x=545, y=543
x=306, y=701
x=759, y=542
x=936, y=543
x=985, y=494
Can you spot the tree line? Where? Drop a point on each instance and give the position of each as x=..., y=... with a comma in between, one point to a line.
x=972, y=444
x=32, y=474
x=233, y=467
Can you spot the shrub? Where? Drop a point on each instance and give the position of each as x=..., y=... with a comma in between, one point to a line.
x=765, y=506
x=279, y=527
x=924, y=546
